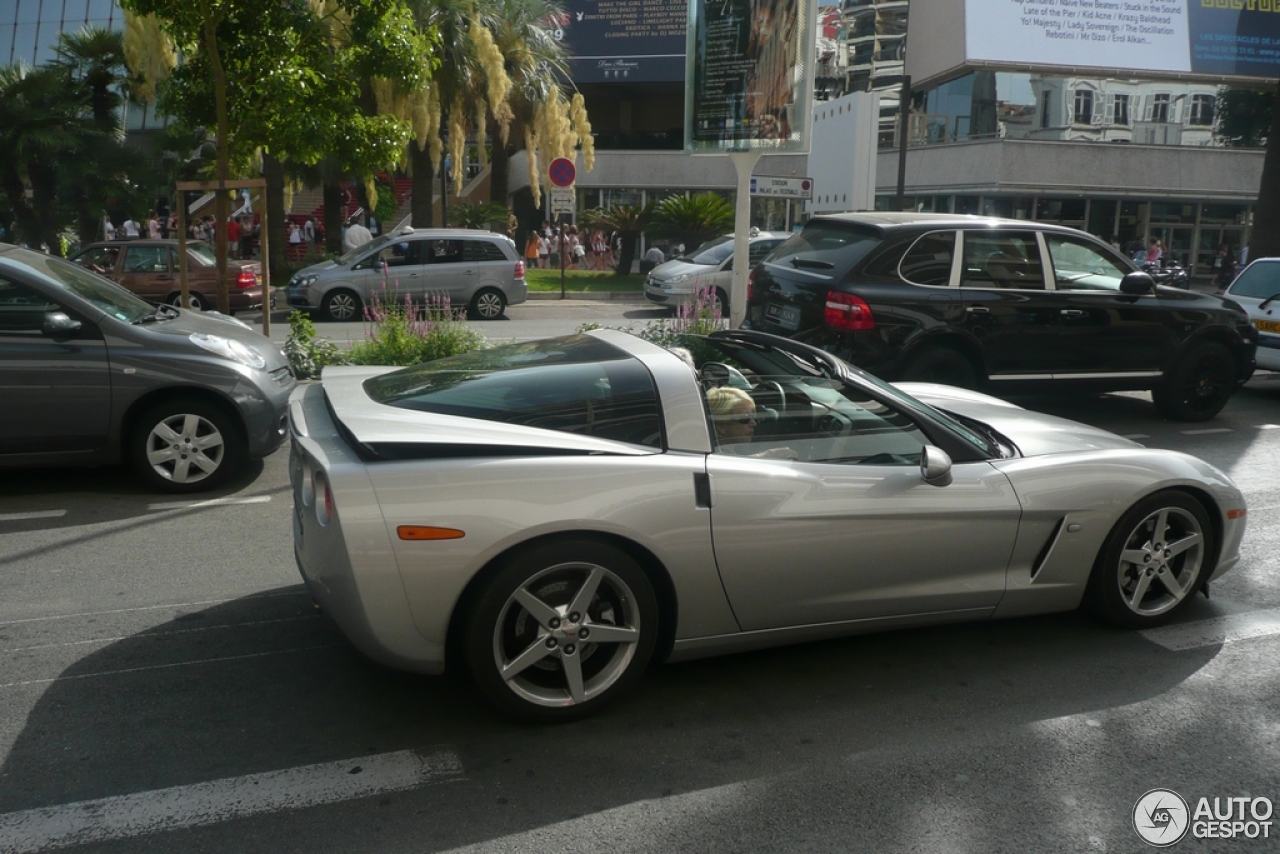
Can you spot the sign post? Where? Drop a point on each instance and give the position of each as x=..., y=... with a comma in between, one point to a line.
x=561, y=173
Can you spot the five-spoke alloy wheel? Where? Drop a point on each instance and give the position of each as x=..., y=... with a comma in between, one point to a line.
x=562, y=629
x=1153, y=562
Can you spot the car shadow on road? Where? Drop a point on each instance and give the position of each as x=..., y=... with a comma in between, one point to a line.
x=264, y=683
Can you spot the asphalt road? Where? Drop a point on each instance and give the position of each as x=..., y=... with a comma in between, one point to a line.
x=165, y=685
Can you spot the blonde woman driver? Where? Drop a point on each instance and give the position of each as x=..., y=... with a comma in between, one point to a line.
x=733, y=413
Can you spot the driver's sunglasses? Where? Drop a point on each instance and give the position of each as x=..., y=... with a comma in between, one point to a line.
x=745, y=419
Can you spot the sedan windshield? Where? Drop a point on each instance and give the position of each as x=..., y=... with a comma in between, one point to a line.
x=376, y=243
x=712, y=252
x=103, y=294
x=1260, y=281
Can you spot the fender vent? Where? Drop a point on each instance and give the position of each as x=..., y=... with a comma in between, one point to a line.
x=1047, y=549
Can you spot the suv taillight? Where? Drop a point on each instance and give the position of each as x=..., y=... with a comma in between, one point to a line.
x=519, y=270
x=847, y=313
x=246, y=279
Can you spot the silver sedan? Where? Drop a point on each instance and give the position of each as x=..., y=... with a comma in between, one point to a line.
x=553, y=517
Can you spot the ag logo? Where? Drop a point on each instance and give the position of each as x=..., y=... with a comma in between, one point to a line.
x=1161, y=817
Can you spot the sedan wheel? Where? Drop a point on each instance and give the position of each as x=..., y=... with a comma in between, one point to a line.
x=562, y=630
x=1153, y=561
x=194, y=301
x=185, y=446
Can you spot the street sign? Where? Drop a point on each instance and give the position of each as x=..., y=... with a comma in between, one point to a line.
x=560, y=200
x=562, y=172
x=792, y=188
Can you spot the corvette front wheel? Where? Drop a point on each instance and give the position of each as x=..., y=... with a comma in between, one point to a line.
x=562, y=630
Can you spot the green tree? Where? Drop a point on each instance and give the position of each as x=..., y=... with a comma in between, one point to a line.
x=291, y=79
x=487, y=215
x=692, y=220
x=1244, y=116
x=1264, y=240
x=627, y=222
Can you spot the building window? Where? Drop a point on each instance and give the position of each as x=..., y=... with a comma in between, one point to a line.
x=1044, y=108
x=1160, y=108
x=1084, y=107
x=1201, y=110
x=1120, y=110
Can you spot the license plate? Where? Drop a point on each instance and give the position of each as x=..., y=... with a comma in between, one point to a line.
x=786, y=316
x=1268, y=325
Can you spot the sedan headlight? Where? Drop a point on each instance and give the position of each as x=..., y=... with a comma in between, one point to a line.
x=677, y=279
x=229, y=348
x=302, y=281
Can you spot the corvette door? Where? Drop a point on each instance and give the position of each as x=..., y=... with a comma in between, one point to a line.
x=848, y=530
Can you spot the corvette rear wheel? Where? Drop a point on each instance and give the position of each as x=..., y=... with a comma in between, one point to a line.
x=562, y=630
x=1153, y=561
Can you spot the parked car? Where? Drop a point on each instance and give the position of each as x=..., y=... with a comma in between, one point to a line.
x=92, y=374
x=478, y=269
x=673, y=283
x=1257, y=290
x=550, y=517
x=149, y=268
x=1003, y=305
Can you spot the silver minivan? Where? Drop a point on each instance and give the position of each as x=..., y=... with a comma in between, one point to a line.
x=91, y=374
x=478, y=269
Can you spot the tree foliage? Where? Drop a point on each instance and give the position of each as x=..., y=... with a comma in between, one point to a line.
x=1244, y=117
x=484, y=215
x=692, y=220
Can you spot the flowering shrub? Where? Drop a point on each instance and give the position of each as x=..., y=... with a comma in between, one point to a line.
x=403, y=332
x=695, y=319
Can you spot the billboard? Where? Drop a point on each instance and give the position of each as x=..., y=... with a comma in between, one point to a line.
x=632, y=41
x=749, y=70
x=1207, y=40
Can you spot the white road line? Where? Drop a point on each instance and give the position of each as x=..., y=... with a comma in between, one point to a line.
x=1206, y=431
x=1269, y=426
x=1137, y=436
x=212, y=502
x=180, y=807
x=172, y=606
x=223, y=659
x=38, y=514
x=1219, y=630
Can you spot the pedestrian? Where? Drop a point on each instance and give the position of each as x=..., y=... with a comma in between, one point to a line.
x=309, y=230
x=544, y=251
x=108, y=229
x=153, y=226
x=233, y=237
x=651, y=259
x=555, y=248
x=246, y=240
x=531, y=250
x=295, y=235
x=1155, y=251
x=131, y=229
x=356, y=236
x=1224, y=267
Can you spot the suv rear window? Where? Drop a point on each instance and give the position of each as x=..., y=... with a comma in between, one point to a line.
x=578, y=384
x=826, y=246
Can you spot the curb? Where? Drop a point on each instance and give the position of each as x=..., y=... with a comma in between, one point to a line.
x=635, y=296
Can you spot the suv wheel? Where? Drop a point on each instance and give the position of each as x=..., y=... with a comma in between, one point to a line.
x=1200, y=383
x=487, y=304
x=341, y=305
x=941, y=365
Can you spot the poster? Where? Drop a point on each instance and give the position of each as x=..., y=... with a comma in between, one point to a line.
x=617, y=41
x=749, y=73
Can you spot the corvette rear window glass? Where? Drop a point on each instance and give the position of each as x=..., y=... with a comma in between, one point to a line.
x=824, y=246
x=578, y=384
x=1259, y=281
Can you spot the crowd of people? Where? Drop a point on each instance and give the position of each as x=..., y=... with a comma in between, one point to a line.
x=566, y=247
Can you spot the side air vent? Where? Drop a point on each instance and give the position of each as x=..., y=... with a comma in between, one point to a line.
x=1048, y=548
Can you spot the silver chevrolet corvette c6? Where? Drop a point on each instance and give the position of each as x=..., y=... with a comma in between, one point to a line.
x=553, y=517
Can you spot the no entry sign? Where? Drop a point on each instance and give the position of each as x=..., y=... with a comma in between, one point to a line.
x=562, y=172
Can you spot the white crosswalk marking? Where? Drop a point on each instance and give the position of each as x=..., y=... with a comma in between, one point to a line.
x=35, y=514
x=127, y=816
x=1219, y=630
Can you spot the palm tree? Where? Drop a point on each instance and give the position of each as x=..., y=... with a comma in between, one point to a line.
x=480, y=215
x=692, y=220
x=627, y=222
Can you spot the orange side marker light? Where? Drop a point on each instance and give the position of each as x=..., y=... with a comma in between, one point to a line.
x=428, y=532
x=1236, y=514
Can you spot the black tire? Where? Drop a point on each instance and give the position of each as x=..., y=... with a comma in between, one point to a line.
x=1200, y=383
x=194, y=300
x=342, y=305
x=499, y=630
x=487, y=304
x=1153, y=561
x=941, y=365
x=186, y=445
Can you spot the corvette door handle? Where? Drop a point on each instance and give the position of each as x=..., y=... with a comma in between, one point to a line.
x=977, y=309
x=1071, y=312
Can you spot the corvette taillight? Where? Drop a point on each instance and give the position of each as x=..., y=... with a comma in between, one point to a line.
x=847, y=313
x=325, y=507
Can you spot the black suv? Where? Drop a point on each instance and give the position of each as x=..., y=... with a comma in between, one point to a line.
x=1005, y=305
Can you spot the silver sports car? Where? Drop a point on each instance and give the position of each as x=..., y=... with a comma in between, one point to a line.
x=553, y=517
